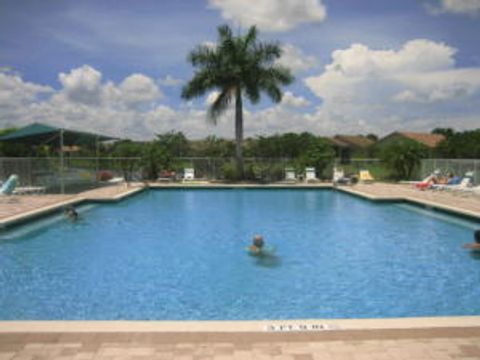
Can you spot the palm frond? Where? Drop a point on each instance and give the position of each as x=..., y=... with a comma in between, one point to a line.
x=251, y=36
x=220, y=104
x=202, y=82
x=203, y=56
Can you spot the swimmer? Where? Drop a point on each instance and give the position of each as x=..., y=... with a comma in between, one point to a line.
x=257, y=246
x=71, y=213
x=476, y=245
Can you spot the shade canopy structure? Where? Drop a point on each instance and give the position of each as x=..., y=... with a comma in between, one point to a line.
x=39, y=134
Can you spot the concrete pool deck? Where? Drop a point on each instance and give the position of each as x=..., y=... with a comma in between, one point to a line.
x=356, y=339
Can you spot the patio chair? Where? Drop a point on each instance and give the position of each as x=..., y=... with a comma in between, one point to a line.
x=365, y=177
x=465, y=185
x=455, y=181
x=310, y=175
x=188, y=174
x=9, y=186
x=290, y=175
x=337, y=174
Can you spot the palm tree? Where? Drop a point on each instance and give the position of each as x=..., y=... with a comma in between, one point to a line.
x=236, y=66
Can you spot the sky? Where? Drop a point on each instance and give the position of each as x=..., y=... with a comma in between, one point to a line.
x=361, y=66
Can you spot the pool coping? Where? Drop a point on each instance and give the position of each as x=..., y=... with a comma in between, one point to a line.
x=22, y=218
x=239, y=326
x=452, y=210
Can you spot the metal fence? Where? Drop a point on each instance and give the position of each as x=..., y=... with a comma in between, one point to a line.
x=376, y=167
x=455, y=166
x=80, y=173
x=77, y=174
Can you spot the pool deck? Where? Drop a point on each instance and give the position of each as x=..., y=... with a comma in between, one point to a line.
x=376, y=339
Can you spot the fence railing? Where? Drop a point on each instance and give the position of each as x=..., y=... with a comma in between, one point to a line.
x=454, y=166
x=81, y=173
x=78, y=173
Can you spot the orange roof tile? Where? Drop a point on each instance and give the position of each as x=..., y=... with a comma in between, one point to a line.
x=430, y=140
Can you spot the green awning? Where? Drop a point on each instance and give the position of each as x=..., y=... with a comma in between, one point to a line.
x=37, y=134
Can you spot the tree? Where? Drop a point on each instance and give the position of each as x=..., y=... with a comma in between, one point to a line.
x=237, y=66
x=126, y=150
x=319, y=154
x=460, y=145
x=403, y=157
x=447, y=132
x=174, y=142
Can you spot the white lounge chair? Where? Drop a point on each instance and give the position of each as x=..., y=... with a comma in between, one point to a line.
x=465, y=185
x=9, y=186
x=337, y=175
x=188, y=174
x=116, y=180
x=310, y=175
x=290, y=175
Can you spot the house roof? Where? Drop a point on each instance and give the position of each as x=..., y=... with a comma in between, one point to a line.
x=356, y=141
x=430, y=140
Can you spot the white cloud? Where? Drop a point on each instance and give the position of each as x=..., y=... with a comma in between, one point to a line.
x=465, y=7
x=295, y=59
x=294, y=101
x=15, y=92
x=138, y=89
x=271, y=15
x=169, y=80
x=378, y=90
x=82, y=85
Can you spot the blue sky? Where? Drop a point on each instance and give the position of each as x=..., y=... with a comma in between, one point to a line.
x=360, y=65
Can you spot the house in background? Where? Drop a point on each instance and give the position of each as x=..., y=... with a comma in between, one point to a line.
x=348, y=146
x=431, y=141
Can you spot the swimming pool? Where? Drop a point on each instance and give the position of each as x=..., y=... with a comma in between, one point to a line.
x=180, y=255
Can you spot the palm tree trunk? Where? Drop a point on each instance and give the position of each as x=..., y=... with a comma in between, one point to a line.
x=239, y=132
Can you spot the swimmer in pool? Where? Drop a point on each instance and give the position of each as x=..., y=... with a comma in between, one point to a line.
x=71, y=213
x=476, y=245
x=257, y=246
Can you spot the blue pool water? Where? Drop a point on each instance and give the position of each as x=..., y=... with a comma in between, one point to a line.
x=180, y=254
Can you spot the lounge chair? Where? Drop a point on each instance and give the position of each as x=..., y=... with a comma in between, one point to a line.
x=465, y=184
x=365, y=177
x=188, y=174
x=310, y=175
x=455, y=181
x=29, y=190
x=338, y=174
x=290, y=175
x=9, y=186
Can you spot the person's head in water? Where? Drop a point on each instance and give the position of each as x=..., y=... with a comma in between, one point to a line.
x=71, y=212
x=258, y=241
x=476, y=235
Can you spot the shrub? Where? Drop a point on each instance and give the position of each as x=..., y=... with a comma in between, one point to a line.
x=230, y=172
x=403, y=157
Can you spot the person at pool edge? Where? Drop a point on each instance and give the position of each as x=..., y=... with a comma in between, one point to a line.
x=71, y=213
x=476, y=245
x=258, y=243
